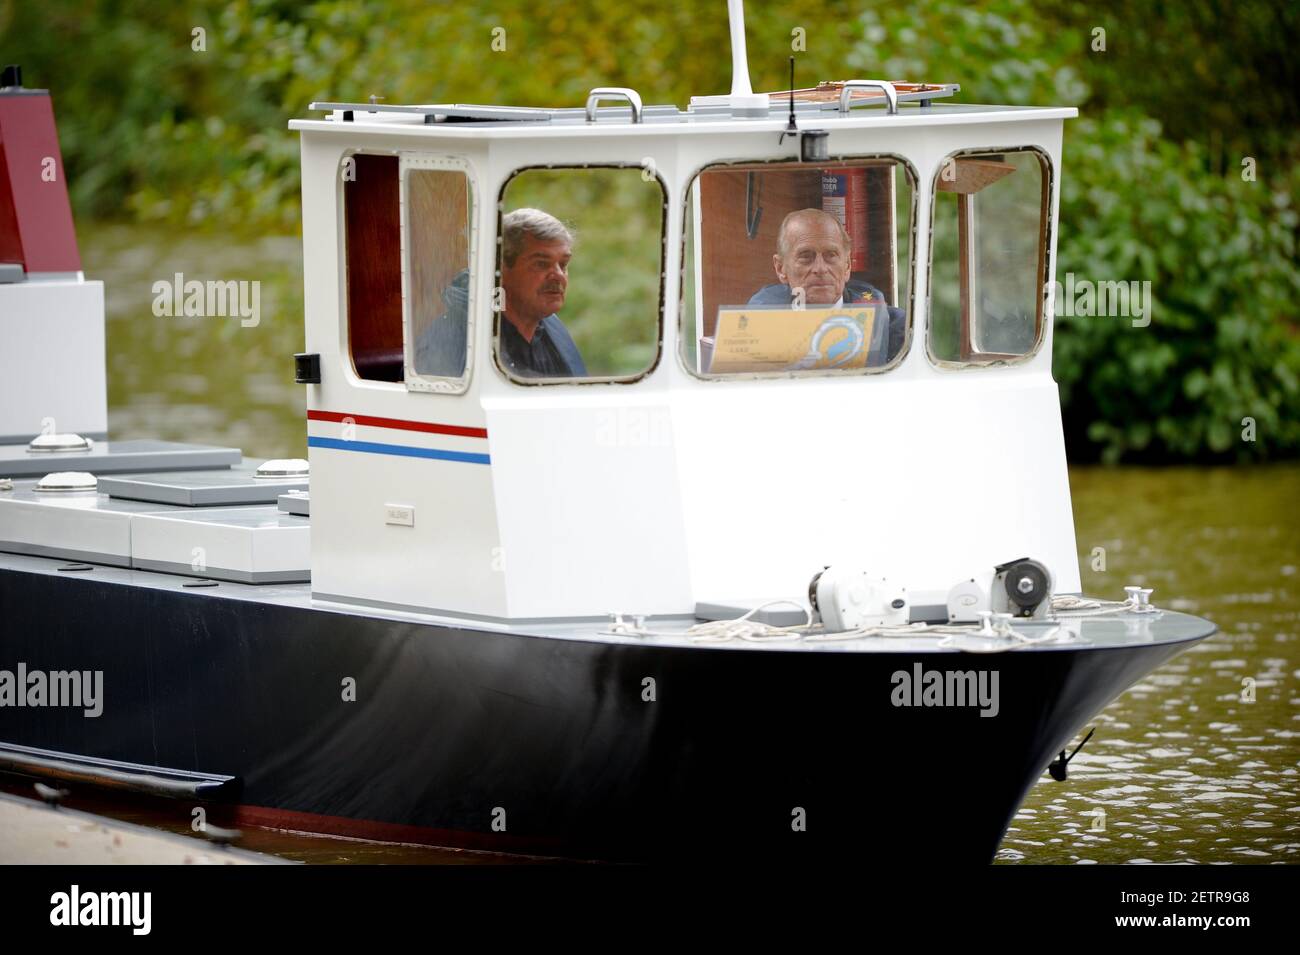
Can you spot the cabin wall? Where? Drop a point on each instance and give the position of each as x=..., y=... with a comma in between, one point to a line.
x=922, y=474
x=52, y=364
x=650, y=496
x=585, y=474
x=375, y=446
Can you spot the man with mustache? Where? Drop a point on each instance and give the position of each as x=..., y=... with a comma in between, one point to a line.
x=535, y=252
x=536, y=248
x=813, y=254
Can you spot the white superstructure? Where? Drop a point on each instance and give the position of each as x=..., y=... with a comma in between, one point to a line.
x=487, y=496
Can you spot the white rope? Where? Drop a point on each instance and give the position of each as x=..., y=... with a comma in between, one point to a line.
x=952, y=635
x=720, y=631
x=1071, y=607
x=1011, y=640
x=903, y=630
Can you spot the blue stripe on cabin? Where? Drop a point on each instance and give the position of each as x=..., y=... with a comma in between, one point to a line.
x=371, y=447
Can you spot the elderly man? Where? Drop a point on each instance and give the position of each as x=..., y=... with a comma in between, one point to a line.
x=813, y=254
x=535, y=253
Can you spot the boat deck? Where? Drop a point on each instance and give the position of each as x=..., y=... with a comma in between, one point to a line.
x=1112, y=630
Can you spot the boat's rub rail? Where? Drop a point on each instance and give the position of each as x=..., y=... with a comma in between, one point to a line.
x=112, y=774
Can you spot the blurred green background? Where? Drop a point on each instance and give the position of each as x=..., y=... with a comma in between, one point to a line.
x=180, y=160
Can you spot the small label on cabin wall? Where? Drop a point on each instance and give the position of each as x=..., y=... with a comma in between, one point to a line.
x=402, y=514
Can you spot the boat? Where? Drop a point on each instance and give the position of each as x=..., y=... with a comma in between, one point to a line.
x=787, y=570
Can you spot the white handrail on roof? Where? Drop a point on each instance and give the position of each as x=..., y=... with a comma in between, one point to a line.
x=613, y=92
x=891, y=95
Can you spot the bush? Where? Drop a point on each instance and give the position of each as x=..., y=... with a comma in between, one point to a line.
x=1220, y=255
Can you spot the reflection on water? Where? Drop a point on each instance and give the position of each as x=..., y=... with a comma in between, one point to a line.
x=205, y=379
x=1181, y=766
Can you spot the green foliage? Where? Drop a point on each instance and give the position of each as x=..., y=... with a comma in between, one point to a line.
x=1152, y=190
x=1219, y=252
x=1221, y=73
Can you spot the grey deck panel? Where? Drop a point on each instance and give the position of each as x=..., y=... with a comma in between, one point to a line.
x=116, y=457
x=299, y=504
x=205, y=488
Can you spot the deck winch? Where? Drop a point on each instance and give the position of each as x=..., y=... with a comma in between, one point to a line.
x=850, y=599
x=847, y=598
x=1021, y=588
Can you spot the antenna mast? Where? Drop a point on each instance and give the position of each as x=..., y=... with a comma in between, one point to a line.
x=743, y=100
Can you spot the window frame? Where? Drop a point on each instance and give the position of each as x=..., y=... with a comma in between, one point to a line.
x=688, y=223
x=1046, y=224
x=409, y=161
x=663, y=273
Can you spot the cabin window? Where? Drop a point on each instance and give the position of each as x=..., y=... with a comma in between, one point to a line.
x=795, y=269
x=989, y=256
x=373, y=265
x=408, y=229
x=579, y=282
x=437, y=223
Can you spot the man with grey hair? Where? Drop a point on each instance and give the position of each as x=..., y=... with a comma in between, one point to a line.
x=813, y=259
x=533, y=342
x=535, y=251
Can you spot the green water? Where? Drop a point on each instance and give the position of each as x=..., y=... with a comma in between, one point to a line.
x=208, y=379
x=1182, y=767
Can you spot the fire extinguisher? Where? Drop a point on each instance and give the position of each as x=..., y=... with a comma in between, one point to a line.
x=844, y=195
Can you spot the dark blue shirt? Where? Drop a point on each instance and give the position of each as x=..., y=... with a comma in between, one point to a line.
x=551, y=354
x=440, y=348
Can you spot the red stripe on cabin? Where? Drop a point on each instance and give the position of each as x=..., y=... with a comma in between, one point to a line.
x=369, y=421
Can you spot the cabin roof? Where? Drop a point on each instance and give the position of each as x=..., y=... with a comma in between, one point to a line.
x=829, y=105
x=441, y=120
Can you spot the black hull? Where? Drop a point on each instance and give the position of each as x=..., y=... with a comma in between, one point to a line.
x=449, y=724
